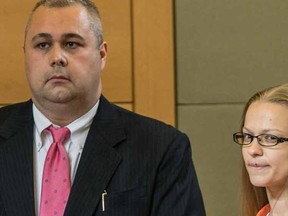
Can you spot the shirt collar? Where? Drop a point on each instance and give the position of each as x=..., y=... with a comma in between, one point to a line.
x=75, y=127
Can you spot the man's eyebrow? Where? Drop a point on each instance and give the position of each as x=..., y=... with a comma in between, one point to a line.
x=64, y=36
x=72, y=35
x=42, y=35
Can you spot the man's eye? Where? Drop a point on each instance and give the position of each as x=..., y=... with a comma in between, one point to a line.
x=43, y=45
x=71, y=45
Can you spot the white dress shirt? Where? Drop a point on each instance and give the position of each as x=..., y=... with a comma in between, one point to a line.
x=43, y=139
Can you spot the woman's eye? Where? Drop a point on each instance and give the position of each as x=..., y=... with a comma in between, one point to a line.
x=270, y=137
x=246, y=136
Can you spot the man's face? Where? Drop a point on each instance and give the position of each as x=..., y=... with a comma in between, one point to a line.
x=62, y=61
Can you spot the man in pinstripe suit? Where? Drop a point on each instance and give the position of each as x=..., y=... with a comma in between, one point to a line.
x=121, y=163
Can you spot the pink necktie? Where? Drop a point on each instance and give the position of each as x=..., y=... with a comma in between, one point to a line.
x=56, y=181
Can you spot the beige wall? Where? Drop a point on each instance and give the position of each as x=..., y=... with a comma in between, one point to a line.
x=225, y=51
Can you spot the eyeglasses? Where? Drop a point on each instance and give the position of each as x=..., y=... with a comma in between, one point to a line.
x=263, y=139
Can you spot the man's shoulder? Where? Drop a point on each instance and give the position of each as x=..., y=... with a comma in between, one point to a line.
x=136, y=117
x=150, y=136
x=14, y=109
x=147, y=125
x=136, y=125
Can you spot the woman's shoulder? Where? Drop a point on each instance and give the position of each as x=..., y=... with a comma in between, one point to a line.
x=264, y=211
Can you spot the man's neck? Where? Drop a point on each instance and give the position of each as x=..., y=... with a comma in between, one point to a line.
x=63, y=114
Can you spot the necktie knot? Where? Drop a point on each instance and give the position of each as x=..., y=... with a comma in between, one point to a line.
x=59, y=134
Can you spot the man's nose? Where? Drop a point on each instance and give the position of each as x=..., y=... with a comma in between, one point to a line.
x=58, y=57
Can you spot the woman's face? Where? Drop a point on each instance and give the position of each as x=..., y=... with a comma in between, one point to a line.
x=267, y=166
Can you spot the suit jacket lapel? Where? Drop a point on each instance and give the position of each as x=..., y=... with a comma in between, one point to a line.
x=98, y=162
x=16, y=163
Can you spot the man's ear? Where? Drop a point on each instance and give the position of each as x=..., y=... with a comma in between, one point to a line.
x=103, y=54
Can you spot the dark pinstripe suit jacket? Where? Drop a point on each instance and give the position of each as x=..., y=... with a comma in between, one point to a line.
x=144, y=165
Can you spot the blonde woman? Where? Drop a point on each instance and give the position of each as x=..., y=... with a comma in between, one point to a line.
x=264, y=141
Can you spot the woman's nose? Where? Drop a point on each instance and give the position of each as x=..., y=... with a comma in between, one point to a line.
x=254, y=149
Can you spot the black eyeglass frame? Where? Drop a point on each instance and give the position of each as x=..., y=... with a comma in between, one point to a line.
x=279, y=139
